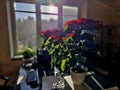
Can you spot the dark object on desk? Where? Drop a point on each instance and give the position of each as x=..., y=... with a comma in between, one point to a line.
x=5, y=86
x=97, y=82
x=32, y=79
x=43, y=60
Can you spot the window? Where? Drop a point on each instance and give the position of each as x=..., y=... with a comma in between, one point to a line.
x=69, y=13
x=49, y=17
x=31, y=17
x=25, y=25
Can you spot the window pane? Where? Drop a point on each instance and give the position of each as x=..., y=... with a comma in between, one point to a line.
x=56, y=1
x=26, y=30
x=70, y=10
x=68, y=18
x=24, y=7
x=49, y=9
x=49, y=1
x=69, y=13
x=23, y=16
x=49, y=21
x=43, y=1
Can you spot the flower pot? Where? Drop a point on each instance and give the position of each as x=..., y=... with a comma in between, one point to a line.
x=77, y=78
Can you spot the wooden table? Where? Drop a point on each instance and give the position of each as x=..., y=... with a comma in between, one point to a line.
x=48, y=81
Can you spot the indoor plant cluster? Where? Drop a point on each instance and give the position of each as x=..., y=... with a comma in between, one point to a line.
x=72, y=44
x=27, y=52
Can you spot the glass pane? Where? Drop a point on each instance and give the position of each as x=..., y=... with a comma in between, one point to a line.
x=69, y=13
x=49, y=9
x=56, y=1
x=24, y=7
x=68, y=18
x=26, y=30
x=70, y=10
x=49, y=21
x=49, y=1
x=43, y=1
x=23, y=16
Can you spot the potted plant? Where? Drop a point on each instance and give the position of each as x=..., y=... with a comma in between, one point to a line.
x=70, y=47
x=27, y=52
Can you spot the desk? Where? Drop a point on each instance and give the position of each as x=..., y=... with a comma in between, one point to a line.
x=47, y=84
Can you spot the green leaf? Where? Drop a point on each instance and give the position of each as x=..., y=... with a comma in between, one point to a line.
x=65, y=27
x=98, y=53
x=63, y=64
x=83, y=59
x=27, y=52
x=53, y=62
x=47, y=42
x=52, y=46
x=52, y=51
x=69, y=55
x=59, y=53
x=57, y=46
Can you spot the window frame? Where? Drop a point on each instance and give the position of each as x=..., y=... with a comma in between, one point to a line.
x=12, y=34
x=24, y=12
x=68, y=15
x=49, y=13
x=38, y=20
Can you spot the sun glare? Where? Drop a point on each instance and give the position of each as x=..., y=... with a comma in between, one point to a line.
x=15, y=5
x=52, y=9
x=49, y=9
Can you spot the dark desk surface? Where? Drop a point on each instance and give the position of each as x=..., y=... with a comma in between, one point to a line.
x=89, y=84
x=48, y=81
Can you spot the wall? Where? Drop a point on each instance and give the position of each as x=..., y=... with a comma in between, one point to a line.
x=7, y=66
x=111, y=20
x=100, y=11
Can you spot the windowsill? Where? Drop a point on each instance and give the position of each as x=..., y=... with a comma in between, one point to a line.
x=18, y=57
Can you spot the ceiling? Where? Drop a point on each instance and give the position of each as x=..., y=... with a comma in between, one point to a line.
x=112, y=3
